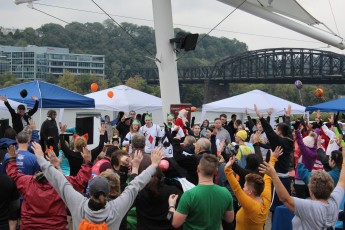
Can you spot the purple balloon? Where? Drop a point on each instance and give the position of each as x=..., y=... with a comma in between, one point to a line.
x=298, y=84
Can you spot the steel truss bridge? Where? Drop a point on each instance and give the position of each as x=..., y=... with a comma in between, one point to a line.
x=281, y=66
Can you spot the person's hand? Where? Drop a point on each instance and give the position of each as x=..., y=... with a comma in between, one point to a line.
x=3, y=98
x=277, y=152
x=269, y=111
x=215, y=132
x=257, y=111
x=230, y=162
x=37, y=150
x=288, y=111
x=63, y=128
x=54, y=160
x=138, y=156
x=11, y=150
x=123, y=118
x=32, y=124
x=156, y=156
x=86, y=154
x=220, y=159
x=101, y=155
x=102, y=129
x=34, y=98
x=222, y=145
x=172, y=200
x=331, y=119
x=266, y=168
x=256, y=137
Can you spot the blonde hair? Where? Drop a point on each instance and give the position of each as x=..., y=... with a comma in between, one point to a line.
x=114, y=183
x=79, y=143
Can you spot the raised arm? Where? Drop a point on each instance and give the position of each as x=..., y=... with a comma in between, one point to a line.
x=281, y=191
x=9, y=107
x=34, y=109
x=96, y=151
x=341, y=181
x=124, y=202
x=71, y=197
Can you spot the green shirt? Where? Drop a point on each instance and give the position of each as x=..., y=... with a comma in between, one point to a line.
x=205, y=206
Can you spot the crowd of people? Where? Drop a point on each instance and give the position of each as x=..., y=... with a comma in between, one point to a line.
x=176, y=175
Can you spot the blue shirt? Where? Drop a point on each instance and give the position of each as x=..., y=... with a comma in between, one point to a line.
x=26, y=162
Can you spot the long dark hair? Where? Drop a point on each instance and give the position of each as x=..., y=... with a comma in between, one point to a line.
x=156, y=179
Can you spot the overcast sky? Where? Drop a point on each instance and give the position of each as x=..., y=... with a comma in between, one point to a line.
x=188, y=15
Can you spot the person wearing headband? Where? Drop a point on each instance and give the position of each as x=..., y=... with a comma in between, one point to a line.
x=134, y=129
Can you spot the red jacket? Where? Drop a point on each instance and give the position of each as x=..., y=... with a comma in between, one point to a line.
x=179, y=122
x=42, y=206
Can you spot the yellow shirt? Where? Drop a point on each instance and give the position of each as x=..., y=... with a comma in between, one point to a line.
x=252, y=214
x=243, y=149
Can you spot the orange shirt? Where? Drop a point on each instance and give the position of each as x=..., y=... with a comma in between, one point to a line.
x=252, y=214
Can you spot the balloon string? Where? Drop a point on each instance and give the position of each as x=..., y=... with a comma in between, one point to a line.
x=300, y=96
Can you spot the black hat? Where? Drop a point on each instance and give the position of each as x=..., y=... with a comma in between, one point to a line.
x=21, y=106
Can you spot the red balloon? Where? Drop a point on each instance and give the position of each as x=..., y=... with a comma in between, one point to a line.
x=110, y=94
x=164, y=165
x=94, y=87
x=319, y=92
x=193, y=109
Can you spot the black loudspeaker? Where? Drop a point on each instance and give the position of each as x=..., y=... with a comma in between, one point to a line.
x=186, y=41
x=4, y=124
x=85, y=125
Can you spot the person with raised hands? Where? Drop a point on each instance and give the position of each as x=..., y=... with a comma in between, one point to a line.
x=321, y=212
x=96, y=211
x=42, y=207
x=255, y=197
x=281, y=136
x=74, y=156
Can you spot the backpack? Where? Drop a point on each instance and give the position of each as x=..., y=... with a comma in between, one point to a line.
x=87, y=225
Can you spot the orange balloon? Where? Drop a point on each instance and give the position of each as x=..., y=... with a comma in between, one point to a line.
x=94, y=87
x=193, y=109
x=110, y=94
x=319, y=92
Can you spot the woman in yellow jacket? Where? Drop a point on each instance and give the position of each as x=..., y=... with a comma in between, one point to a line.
x=255, y=197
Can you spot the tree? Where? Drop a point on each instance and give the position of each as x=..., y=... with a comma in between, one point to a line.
x=7, y=79
x=69, y=81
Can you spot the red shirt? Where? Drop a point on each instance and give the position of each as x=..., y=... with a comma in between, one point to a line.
x=42, y=206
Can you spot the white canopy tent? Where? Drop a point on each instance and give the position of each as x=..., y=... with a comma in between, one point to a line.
x=264, y=101
x=125, y=99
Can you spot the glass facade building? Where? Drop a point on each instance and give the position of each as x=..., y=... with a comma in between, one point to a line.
x=35, y=62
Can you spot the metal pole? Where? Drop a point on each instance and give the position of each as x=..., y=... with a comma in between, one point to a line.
x=166, y=57
x=287, y=23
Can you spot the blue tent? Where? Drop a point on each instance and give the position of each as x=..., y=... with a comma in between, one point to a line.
x=49, y=95
x=337, y=105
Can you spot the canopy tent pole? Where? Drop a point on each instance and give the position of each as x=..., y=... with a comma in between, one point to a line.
x=287, y=23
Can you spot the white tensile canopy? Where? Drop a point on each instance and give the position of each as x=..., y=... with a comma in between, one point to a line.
x=125, y=99
x=14, y=105
x=264, y=101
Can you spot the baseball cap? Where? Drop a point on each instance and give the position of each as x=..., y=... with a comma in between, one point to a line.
x=99, y=184
x=21, y=106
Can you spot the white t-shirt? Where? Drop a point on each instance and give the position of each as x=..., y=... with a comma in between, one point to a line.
x=332, y=144
x=150, y=135
x=311, y=214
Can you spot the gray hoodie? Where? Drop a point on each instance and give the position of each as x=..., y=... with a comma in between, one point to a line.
x=114, y=210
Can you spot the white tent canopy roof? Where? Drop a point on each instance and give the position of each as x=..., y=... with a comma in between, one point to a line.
x=264, y=101
x=125, y=99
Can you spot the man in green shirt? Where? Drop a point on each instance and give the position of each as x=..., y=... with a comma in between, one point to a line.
x=205, y=205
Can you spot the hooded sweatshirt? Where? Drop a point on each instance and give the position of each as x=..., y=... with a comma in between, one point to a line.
x=112, y=213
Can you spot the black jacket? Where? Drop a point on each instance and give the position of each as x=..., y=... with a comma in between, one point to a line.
x=16, y=119
x=285, y=160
